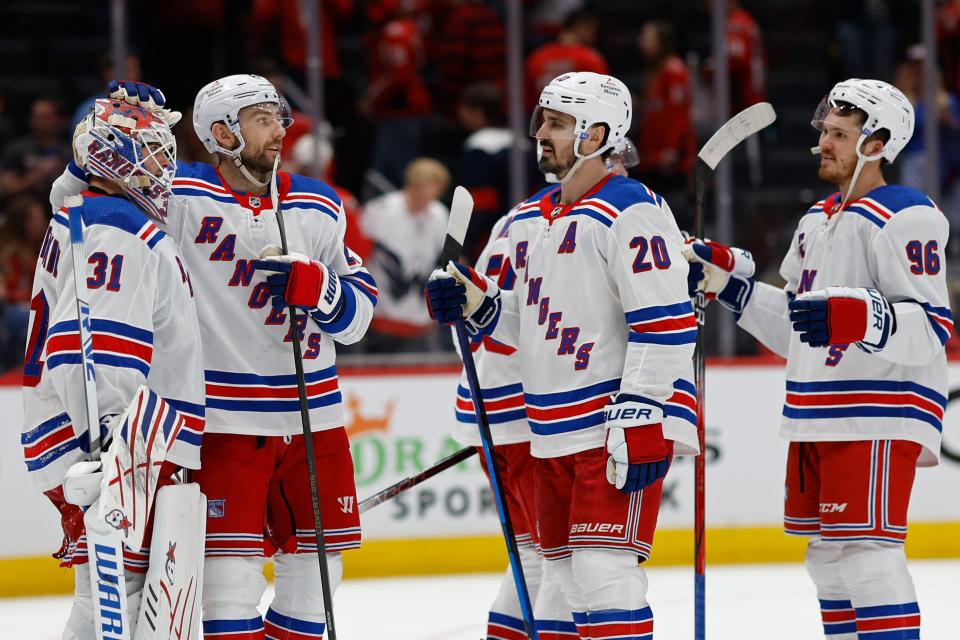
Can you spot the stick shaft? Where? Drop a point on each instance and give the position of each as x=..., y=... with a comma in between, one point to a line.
x=408, y=483
x=308, y=447
x=699, y=466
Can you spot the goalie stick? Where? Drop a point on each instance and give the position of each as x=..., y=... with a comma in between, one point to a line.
x=460, y=211
x=741, y=126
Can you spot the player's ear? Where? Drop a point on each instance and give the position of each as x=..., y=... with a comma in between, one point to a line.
x=223, y=135
x=595, y=137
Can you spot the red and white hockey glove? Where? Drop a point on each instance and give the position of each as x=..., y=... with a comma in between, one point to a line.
x=720, y=272
x=301, y=282
x=843, y=315
x=638, y=454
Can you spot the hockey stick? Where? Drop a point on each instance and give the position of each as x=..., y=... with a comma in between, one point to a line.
x=739, y=127
x=307, y=431
x=104, y=545
x=460, y=212
x=394, y=490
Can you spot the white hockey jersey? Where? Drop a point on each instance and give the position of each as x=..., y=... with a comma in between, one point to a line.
x=406, y=248
x=498, y=366
x=144, y=327
x=251, y=387
x=892, y=240
x=600, y=307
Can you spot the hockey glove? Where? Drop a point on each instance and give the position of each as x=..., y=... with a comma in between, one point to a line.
x=144, y=95
x=638, y=454
x=843, y=315
x=460, y=292
x=301, y=282
x=81, y=484
x=720, y=272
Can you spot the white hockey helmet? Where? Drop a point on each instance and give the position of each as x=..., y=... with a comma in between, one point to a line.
x=132, y=147
x=592, y=99
x=886, y=108
x=223, y=99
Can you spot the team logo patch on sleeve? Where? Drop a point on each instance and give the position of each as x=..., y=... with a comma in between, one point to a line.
x=215, y=508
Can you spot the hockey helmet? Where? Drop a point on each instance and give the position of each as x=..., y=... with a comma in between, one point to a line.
x=886, y=108
x=131, y=147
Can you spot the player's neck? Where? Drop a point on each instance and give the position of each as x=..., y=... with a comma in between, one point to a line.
x=105, y=185
x=868, y=180
x=239, y=182
x=584, y=178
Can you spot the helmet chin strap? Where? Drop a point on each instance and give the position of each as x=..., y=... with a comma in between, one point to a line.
x=249, y=176
x=580, y=159
x=861, y=161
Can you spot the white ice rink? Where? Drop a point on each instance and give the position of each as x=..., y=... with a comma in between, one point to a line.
x=768, y=602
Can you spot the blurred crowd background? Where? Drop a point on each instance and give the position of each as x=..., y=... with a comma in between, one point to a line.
x=415, y=102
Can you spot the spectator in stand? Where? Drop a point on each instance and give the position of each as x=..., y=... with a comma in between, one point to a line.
x=471, y=48
x=485, y=164
x=301, y=161
x=573, y=51
x=747, y=63
x=666, y=142
x=107, y=73
x=407, y=228
x=20, y=239
x=397, y=100
x=31, y=163
x=290, y=16
x=912, y=160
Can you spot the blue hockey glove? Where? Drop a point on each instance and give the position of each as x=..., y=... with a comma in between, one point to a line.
x=460, y=292
x=638, y=454
x=722, y=273
x=843, y=315
x=144, y=95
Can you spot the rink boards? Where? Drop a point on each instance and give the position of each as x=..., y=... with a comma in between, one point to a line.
x=399, y=423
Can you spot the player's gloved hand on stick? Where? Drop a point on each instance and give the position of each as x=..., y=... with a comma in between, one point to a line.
x=460, y=292
x=638, y=453
x=81, y=485
x=301, y=282
x=843, y=315
x=720, y=272
x=144, y=95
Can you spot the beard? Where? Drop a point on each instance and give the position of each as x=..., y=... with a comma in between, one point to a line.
x=259, y=161
x=553, y=164
x=833, y=172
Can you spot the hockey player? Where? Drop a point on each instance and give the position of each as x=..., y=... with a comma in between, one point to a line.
x=143, y=321
x=605, y=332
x=253, y=464
x=862, y=322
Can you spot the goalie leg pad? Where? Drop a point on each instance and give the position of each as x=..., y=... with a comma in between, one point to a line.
x=81, y=622
x=232, y=589
x=297, y=608
x=170, y=601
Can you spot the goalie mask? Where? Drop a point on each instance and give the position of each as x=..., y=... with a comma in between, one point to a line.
x=222, y=101
x=592, y=99
x=132, y=148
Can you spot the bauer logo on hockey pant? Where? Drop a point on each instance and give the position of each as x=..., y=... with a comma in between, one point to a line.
x=215, y=508
x=596, y=527
x=832, y=507
x=346, y=503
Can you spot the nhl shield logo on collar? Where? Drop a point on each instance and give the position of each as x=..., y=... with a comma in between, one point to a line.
x=556, y=211
x=254, y=202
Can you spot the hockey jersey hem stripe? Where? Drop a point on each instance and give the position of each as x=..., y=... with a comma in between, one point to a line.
x=566, y=411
